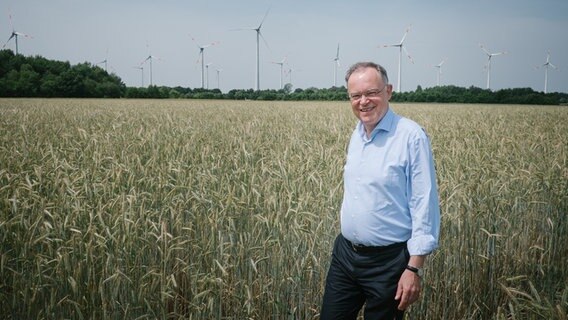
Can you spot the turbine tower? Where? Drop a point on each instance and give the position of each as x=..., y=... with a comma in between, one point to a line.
x=439, y=72
x=207, y=67
x=401, y=47
x=335, y=66
x=546, y=65
x=15, y=35
x=258, y=36
x=202, y=58
x=281, y=63
x=218, y=77
x=489, y=56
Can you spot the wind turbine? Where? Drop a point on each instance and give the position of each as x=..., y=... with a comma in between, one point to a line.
x=335, y=66
x=546, y=65
x=15, y=35
x=290, y=70
x=281, y=63
x=439, y=71
x=258, y=35
x=290, y=75
x=218, y=76
x=202, y=57
x=489, y=56
x=103, y=62
x=150, y=58
x=142, y=71
x=401, y=47
x=207, y=67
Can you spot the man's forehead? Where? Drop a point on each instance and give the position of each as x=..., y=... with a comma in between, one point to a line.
x=363, y=73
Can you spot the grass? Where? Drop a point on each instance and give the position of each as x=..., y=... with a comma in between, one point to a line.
x=144, y=209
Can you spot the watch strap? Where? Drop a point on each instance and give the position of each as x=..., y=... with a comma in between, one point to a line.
x=418, y=271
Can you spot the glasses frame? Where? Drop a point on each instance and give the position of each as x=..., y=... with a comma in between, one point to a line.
x=371, y=93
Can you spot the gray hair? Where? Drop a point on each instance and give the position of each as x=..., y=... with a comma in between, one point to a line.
x=364, y=65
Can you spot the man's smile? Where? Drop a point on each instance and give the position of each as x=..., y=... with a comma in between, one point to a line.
x=367, y=108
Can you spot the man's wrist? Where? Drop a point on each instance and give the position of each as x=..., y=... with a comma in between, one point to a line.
x=418, y=271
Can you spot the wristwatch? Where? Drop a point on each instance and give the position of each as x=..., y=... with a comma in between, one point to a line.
x=418, y=271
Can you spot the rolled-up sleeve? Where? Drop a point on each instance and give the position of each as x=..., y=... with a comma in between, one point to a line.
x=422, y=193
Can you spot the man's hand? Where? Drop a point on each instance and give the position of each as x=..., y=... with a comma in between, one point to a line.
x=409, y=288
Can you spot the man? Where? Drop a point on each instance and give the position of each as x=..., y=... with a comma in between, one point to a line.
x=390, y=216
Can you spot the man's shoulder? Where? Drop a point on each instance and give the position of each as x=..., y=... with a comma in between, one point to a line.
x=408, y=125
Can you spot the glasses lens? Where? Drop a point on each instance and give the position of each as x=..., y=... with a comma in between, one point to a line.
x=355, y=96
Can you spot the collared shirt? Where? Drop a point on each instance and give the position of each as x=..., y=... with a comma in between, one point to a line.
x=390, y=193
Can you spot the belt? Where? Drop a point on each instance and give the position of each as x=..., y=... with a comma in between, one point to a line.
x=373, y=249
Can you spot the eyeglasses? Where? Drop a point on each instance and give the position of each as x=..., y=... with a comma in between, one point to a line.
x=371, y=93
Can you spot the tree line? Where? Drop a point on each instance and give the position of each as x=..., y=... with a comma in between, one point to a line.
x=22, y=76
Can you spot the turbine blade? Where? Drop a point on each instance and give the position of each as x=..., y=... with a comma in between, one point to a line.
x=210, y=44
x=11, y=36
x=242, y=29
x=11, y=22
x=547, y=55
x=408, y=55
x=484, y=50
x=23, y=35
x=194, y=40
x=405, y=33
x=281, y=62
x=261, y=22
x=264, y=40
x=144, y=61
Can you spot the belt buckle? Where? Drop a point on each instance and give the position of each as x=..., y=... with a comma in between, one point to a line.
x=354, y=247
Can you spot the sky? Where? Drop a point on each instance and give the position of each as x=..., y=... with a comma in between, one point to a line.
x=306, y=33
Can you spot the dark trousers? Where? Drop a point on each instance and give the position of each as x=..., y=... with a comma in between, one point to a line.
x=369, y=278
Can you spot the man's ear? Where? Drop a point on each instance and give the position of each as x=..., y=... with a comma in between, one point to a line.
x=389, y=91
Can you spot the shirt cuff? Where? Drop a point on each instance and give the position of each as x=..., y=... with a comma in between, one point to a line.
x=422, y=245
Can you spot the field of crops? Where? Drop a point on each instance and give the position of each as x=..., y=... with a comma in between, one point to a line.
x=145, y=209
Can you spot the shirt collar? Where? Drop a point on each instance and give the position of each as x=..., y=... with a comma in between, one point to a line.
x=384, y=124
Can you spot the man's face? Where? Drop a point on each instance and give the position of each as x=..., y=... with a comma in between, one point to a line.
x=369, y=96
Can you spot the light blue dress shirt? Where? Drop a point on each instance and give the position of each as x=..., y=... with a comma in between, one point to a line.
x=390, y=193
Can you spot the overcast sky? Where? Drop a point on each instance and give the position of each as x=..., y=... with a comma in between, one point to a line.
x=125, y=32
